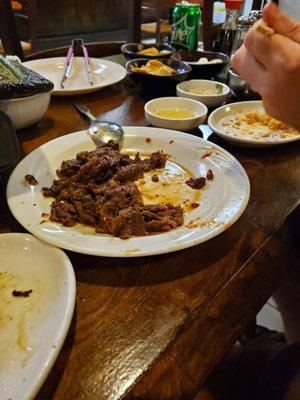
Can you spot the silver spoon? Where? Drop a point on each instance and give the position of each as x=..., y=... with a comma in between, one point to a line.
x=101, y=131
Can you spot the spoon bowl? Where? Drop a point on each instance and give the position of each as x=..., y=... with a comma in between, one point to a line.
x=101, y=132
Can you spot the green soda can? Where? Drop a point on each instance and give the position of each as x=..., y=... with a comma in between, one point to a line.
x=185, y=25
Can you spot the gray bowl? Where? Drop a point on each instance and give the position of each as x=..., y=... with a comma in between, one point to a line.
x=240, y=88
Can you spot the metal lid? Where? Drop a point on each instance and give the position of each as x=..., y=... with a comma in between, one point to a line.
x=256, y=14
x=246, y=22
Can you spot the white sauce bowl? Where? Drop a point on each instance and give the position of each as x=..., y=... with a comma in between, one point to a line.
x=181, y=124
x=211, y=100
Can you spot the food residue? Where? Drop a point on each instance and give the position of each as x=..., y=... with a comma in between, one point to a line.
x=171, y=141
x=256, y=125
x=195, y=205
x=30, y=179
x=148, y=140
x=206, y=154
x=209, y=175
x=154, y=178
x=21, y=293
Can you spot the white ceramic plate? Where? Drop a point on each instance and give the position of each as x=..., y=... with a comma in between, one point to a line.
x=222, y=201
x=105, y=73
x=215, y=118
x=33, y=328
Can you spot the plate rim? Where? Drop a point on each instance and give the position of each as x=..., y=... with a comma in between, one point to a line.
x=68, y=314
x=141, y=252
x=232, y=139
x=86, y=89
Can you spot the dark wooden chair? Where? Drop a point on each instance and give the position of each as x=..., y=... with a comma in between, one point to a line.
x=11, y=41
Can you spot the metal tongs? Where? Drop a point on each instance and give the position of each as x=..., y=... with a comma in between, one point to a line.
x=76, y=43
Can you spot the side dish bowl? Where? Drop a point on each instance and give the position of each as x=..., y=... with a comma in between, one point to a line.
x=26, y=111
x=197, y=109
x=131, y=50
x=202, y=71
x=157, y=82
x=211, y=93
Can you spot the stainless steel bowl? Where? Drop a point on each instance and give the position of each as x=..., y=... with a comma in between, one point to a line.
x=240, y=88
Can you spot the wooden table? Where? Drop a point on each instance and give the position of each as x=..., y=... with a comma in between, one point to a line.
x=154, y=327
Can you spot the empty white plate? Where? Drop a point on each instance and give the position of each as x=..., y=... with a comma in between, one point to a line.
x=33, y=325
x=221, y=202
x=104, y=72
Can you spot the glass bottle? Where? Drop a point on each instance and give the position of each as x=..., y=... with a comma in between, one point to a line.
x=225, y=39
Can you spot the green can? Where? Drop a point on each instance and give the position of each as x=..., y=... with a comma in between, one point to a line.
x=185, y=25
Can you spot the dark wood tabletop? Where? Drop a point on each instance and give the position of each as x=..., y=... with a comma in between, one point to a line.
x=155, y=327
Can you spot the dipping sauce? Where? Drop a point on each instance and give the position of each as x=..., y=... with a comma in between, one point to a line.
x=174, y=113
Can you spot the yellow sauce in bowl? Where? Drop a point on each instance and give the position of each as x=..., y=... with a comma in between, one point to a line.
x=174, y=113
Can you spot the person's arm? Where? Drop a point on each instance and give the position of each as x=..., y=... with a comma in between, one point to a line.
x=271, y=65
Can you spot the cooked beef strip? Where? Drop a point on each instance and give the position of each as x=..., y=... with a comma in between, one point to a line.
x=97, y=189
x=196, y=183
x=30, y=179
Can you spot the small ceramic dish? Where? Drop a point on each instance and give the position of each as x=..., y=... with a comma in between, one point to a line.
x=26, y=111
x=175, y=105
x=158, y=82
x=131, y=50
x=211, y=93
x=202, y=71
x=222, y=122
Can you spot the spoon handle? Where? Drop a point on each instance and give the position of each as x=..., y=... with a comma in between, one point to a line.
x=83, y=109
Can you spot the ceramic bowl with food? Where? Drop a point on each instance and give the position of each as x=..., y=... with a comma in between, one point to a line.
x=150, y=51
x=177, y=71
x=211, y=93
x=204, y=64
x=175, y=113
x=26, y=111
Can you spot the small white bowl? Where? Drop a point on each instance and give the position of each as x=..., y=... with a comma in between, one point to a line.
x=212, y=100
x=26, y=111
x=181, y=124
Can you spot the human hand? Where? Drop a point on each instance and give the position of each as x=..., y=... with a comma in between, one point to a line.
x=271, y=65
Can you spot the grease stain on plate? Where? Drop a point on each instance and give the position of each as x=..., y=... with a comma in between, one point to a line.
x=170, y=188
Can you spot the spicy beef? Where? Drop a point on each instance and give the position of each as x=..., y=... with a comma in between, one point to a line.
x=196, y=183
x=97, y=189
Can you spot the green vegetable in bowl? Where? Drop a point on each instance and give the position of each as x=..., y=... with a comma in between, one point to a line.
x=219, y=88
x=17, y=81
